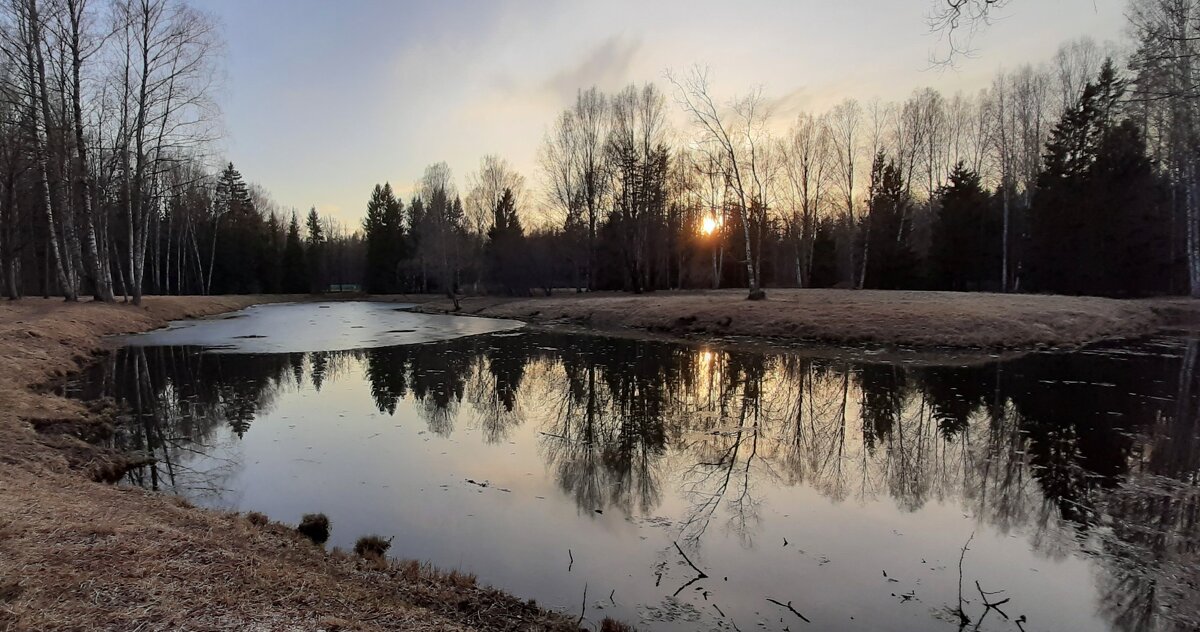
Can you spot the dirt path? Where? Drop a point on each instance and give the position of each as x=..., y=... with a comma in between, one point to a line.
x=919, y=320
x=81, y=555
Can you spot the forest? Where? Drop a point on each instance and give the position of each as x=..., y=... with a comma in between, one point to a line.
x=1073, y=176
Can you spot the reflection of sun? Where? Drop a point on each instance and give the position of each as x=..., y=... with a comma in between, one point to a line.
x=709, y=225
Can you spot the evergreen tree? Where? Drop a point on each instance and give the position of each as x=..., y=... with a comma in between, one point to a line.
x=295, y=272
x=383, y=230
x=505, y=251
x=964, y=253
x=890, y=261
x=272, y=266
x=1096, y=223
x=241, y=240
x=315, y=251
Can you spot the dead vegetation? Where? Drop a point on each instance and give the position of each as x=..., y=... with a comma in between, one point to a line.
x=843, y=317
x=315, y=527
x=78, y=554
x=372, y=546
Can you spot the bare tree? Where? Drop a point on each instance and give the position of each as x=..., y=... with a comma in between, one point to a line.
x=573, y=161
x=957, y=22
x=737, y=137
x=844, y=122
x=166, y=81
x=638, y=166
x=807, y=157
x=485, y=189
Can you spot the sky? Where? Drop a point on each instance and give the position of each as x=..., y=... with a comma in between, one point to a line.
x=322, y=99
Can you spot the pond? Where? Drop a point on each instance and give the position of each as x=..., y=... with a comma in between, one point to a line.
x=691, y=487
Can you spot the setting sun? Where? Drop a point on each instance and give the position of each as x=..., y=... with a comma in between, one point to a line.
x=709, y=225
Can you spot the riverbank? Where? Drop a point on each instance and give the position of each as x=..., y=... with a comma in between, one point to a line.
x=79, y=554
x=916, y=320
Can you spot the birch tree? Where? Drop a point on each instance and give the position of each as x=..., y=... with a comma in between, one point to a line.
x=737, y=139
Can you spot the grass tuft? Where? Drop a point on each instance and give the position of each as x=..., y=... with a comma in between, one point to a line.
x=258, y=519
x=372, y=546
x=315, y=527
x=612, y=625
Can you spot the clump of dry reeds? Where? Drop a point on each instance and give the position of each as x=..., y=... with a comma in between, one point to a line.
x=315, y=527
x=257, y=519
x=372, y=546
x=612, y=625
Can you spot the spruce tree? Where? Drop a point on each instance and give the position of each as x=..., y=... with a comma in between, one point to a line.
x=1096, y=223
x=964, y=252
x=314, y=251
x=295, y=272
x=505, y=250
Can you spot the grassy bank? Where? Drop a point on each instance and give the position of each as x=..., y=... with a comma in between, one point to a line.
x=77, y=554
x=902, y=319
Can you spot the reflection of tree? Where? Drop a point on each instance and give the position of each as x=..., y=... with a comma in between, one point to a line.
x=607, y=431
x=1051, y=445
x=1152, y=548
x=178, y=397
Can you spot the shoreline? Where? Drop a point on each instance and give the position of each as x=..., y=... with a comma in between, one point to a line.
x=898, y=323
x=75, y=552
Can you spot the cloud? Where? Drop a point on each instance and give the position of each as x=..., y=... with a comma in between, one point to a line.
x=606, y=65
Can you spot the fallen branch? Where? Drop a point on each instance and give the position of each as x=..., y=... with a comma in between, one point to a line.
x=701, y=573
x=583, y=608
x=788, y=605
x=962, y=615
x=992, y=605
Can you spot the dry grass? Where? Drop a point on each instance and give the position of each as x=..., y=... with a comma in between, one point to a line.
x=80, y=555
x=845, y=317
x=315, y=527
x=372, y=546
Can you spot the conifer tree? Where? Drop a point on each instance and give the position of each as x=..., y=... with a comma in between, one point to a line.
x=964, y=254
x=295, y=272
x=314, y=251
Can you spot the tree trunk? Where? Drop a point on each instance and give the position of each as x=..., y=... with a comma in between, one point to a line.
x=101, y=275
x=37, y=73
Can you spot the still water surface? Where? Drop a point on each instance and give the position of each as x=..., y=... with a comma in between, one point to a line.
x=546, y=461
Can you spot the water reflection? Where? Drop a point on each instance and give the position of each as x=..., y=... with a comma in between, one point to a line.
x=1091, y=453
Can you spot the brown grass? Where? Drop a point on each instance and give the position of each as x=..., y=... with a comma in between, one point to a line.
x=372, y=546
x=315, y=527
x=76, y=554
x=846, y=317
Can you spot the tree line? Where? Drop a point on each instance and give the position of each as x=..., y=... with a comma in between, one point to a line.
x=1077, y=176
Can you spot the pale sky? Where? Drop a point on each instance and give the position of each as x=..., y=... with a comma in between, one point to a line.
x=325, y=98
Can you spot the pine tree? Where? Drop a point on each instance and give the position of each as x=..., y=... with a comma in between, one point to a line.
x=295, y=272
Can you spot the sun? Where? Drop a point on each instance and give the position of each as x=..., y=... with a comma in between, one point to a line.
x=709, y=225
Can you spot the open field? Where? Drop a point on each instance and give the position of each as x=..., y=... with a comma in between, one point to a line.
x=77, y=554
x=843, y=317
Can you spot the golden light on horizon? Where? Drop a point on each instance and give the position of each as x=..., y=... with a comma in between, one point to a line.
x=709, y=225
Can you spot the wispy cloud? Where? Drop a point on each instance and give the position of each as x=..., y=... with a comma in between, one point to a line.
x=605, y=65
